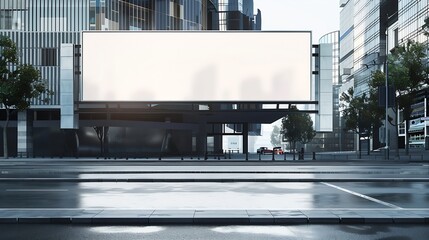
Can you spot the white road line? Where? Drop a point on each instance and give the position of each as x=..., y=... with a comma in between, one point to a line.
x=36, y=190
x=363, y=196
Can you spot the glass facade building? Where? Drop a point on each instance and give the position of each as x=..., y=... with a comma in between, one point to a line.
x=238, y=15
x=346, y=41
x=411, y=16
x=373, y=28
x=363, y=39
x=41, y=27
x=410, y=20
x=368, y=42
x=328, y=81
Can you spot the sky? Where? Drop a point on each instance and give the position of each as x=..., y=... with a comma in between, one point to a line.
x=318, y=16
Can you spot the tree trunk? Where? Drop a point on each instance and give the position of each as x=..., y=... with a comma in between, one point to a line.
x=407, y=118
x=396, y=130
x=407, y=140
x=360, y=146
x=5, y=148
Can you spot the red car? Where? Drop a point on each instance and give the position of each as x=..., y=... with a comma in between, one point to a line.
x=278, y=150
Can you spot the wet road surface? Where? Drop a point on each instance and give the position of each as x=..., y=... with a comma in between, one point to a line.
x=216, y=195
x=67, y=232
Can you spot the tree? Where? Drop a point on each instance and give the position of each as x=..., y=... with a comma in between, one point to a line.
x=408, y=72
x=378, y=80
x=362, y=114
x=101, y=135
x=297, y=127
x=19, y=83
x=276, y=136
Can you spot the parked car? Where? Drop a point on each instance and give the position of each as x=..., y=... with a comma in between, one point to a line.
x=278, y=150
x=264, y=150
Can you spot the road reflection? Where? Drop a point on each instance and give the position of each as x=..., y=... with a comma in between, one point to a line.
x=260, y=230
x=126, y=229
x=190, y=196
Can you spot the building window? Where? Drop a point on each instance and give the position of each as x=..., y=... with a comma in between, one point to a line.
x=49, y=56
x=6, y=20
x=396, y=38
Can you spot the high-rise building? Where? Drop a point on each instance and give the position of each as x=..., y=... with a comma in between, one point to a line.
x=369, y=30
x=238, y=15
x=328, y=82
x=39, y=28
x=363, y=45
x=406, y=25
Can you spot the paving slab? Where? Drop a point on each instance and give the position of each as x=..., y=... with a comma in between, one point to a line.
x=321, y=216
x=422, y=213
x=260, y=217
x=137, y=216
x=348, y=217
x=403, y=216
x=289, y=217
x=172, y=217
x=85, y=216
x=221, y=217
x=375, y=216
x=123, y=216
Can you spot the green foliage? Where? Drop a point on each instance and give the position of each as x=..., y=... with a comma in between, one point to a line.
x=276, y=136
x=408, y=72
x=297, y=127
x=362, y=113
x=18, y=83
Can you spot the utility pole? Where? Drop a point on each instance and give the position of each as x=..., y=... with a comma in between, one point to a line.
x=387, y=99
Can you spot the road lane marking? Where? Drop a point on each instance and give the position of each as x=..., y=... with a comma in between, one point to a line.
x=362, y=196
x=36, y=190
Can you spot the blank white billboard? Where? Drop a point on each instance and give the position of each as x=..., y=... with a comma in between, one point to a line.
x=196, y=66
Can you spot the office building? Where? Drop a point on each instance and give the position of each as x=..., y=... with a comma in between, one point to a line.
x=329, y=138
x=369, y=30
x=238, y=15
x=39, y=28
x=405, y=25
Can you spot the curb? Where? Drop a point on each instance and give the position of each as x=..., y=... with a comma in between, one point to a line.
x=214, y=180
x=213, y=217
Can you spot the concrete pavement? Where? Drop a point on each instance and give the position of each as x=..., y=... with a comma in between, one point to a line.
x=213, y=217
x=26, y=172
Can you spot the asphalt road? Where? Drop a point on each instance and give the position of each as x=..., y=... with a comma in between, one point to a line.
x=318, y=194
x=66, y=232
x=213, y=196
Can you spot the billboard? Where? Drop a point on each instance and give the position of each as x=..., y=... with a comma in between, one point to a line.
x=196, y=66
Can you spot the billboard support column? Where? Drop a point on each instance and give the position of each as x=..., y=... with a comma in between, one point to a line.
x=69, y=119
x=246, y=140
x=25, y=134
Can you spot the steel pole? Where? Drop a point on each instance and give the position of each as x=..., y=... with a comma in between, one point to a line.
x=387, y=99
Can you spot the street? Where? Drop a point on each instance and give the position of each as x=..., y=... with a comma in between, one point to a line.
x=230, y=186
x=316, y=232
x=141, y=199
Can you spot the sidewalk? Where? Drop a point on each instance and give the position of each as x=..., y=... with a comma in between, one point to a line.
x=214, y=217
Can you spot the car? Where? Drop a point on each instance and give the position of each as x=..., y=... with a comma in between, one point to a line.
x=278, y=150
x=264, y=150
